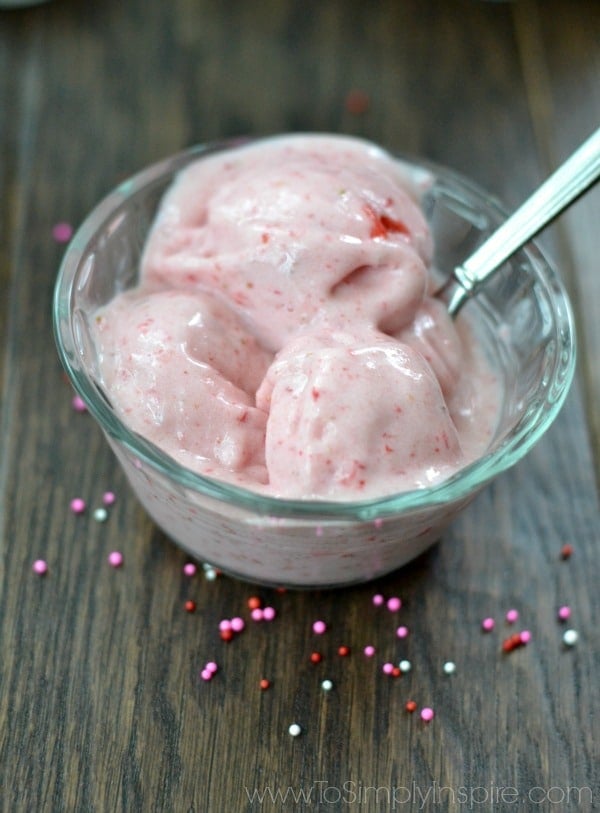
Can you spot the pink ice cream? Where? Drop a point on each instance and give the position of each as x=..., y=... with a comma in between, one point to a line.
x=281, y=335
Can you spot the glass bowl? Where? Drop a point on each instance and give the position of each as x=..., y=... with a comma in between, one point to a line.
x=522, y=319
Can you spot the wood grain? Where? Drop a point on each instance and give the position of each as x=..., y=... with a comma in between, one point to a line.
x=101, y=706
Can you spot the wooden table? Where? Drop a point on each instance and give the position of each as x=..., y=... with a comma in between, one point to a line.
x=101, y=704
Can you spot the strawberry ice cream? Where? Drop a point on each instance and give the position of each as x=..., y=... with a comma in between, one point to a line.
x=282, y=335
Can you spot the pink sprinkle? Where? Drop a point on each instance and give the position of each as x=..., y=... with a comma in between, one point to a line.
x=211, y=667
x=394, y=604
x=378, y=523
x=319, y=627
x=78, y=404
x=388, y=668
x=427, y=714
x=189, y=569
x=77, y=505
x=269, y=613
x=369, y=651
x=237, y=624
x=488, y=624
x=564, y=613
x=378, y=599
x=40, y=567
x=115, y=559
x=318, y=531
x=62, y=232
x=206, y=674
x=257, y=614
x=225, y=624
x=402, y=632
x=108, y=498
x=512, y=616
x=525, y=637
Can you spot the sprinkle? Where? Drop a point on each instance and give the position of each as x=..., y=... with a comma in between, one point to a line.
x=237, y=624
x=77, y=505
x=319, y=627
x=405, y=666
x=343, y=651
x=525, y=637
x=564, y=613
x=115, y=558
x=566, y=551
x=108, y=498
x=449, y=668
x=396, y=671
x=100, y=514
x=190, y=606
x=402, y=632
x=394, y=604
x=571, y=637
x=387, y=668
x=512, y=616
x=189, y=569
x=269, y=613
x=378, y=523
x=62, y=232
x=78, y=404
x=357, y=102
x=226, y=635
x=210, y=574
x=295, y=730
x=512, y=642
x=378, y=599
x=254, y=603
x=224, y=625
x=212, y=667
x=369, y=651
x=427, y=714
x=326, y=685
x=316, y=657
x=410, y=706
x=40, y=567
x=488, y=624
x=206, y=675
x=265, y=684
x=257, y=614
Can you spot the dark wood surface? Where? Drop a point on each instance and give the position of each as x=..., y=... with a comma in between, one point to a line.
x=101, y=705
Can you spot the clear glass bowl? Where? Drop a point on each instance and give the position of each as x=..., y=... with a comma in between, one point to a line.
x=523, y=320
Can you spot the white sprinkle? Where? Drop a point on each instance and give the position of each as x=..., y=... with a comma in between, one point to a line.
x=405, y=666
x=327, y=685
x=100, y=514
x=571, y=637
x=295, y=729
x=449, y=668
x=210, y=574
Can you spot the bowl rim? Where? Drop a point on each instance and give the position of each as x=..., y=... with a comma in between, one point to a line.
x=462, y=485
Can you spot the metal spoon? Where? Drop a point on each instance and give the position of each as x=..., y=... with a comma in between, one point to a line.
x=563, y=187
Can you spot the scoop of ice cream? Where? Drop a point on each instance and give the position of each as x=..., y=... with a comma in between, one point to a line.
x=358, y=414
x=291, y=227
x=175, y=384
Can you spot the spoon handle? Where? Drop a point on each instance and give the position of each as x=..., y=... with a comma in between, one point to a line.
x=561, y=189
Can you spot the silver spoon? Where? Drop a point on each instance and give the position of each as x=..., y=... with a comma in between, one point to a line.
x=563, y=187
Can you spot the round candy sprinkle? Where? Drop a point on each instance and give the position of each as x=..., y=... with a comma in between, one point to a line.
x=525, y=637
x=316, y=657
x=254, y=603
x=115, y=558
x=190, y=606
x=410, y=706
x=62, y=232
x=369, y=651
x=212, y=667
x=100, y=514
x=256, y=614
x=378, y=599
x=224, y=625
x=108, y=498
x=564, y=613
x=226, y=635
x=378, y=522
x=295, y=730
x=571, y=637
x=488, y=624
x=394, y=604
x=210, y=574
x=427, y=714
x=189, y=569
x=237, y=624
x=319, y=627
x=396, y=672
x=206, y=675
x=449, y=668
x=265, y=684
x=77, y=505
x=405, y=666
x=566, y=551
x=343, y=651
x=269, y=613
x=78, y=404
x=512, y=616
x=402, y=632
x=326, y=685
x=388, y=668
x=40, y=567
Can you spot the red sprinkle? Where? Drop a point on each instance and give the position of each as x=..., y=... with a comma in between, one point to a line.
x=357, y=102
x=190, y=606
x=316, y=657
x=343, y=651
x=265, y=684
x=254, y=603
x=410, y=706
x=566, y=551
x=226, y=635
